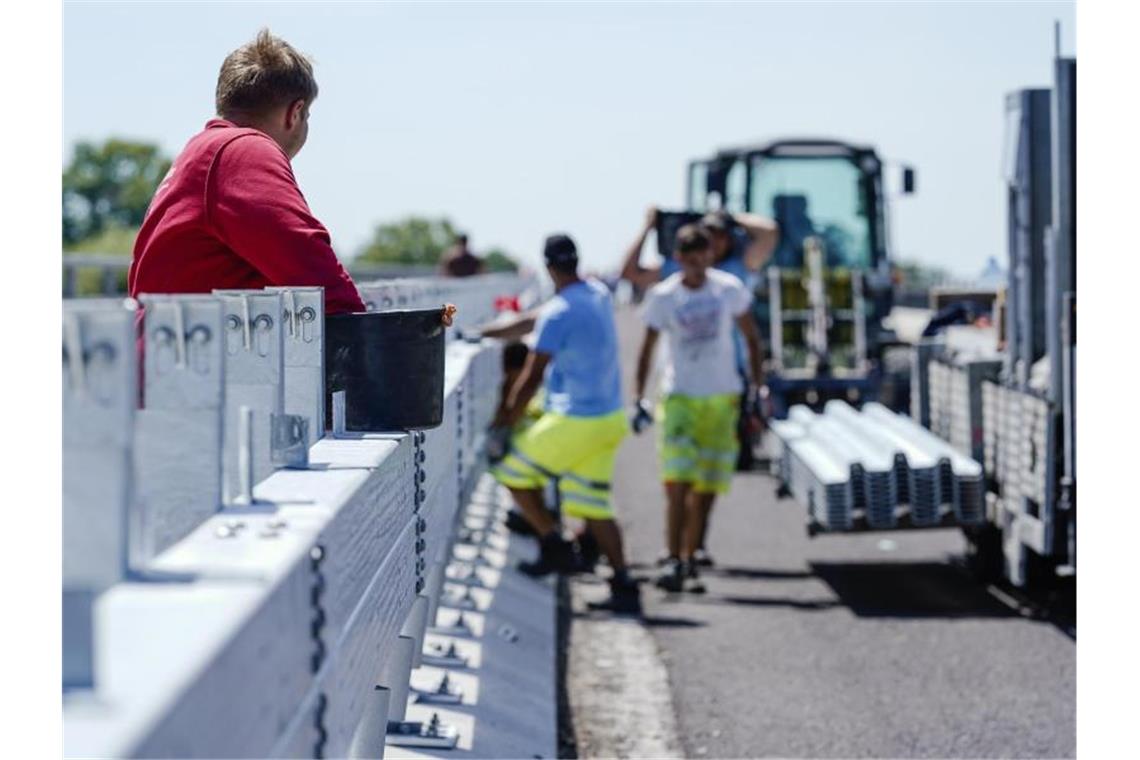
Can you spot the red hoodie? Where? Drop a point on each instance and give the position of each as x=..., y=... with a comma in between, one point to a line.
x=229, y=214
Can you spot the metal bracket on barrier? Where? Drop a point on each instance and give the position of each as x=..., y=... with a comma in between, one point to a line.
x=178, y=452
x=289, y=441
x=443, y=693
x=99, y=401
x=460, y=600
x=445, y=656
x=338, y=414
x=303, y=320
x=254, y=344
x=434, y=734
x=458, y=628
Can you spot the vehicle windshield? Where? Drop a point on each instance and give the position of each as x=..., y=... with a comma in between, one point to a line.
x=814, y=196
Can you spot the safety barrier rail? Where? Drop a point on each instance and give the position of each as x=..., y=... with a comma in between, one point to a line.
x=237, y=582
x=874, y=470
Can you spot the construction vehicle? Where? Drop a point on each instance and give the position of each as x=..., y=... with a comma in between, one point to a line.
x=996, y=457
x=822, y=296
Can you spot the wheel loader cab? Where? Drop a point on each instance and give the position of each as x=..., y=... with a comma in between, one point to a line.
x=829, y=189
x=826, y=288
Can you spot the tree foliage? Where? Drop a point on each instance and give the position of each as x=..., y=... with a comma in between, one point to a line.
x=498, y=260
x=109, y=185
x=422, y=241
x=412, y=240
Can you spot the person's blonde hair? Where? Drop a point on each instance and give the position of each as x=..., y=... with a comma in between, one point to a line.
x=264, y=74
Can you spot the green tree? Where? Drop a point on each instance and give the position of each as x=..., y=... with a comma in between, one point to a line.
x=412, y=240
x=109, y=185
x=422, y=241
x=498, y=260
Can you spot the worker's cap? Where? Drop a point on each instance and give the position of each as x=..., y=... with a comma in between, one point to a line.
x=717, y=221
x=559, y=250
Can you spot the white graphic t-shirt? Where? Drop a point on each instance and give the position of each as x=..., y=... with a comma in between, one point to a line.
x=699, y=324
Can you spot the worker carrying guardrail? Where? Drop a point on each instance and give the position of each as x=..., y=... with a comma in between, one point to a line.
x=576, y=439
x=229, y=213
x=697, y=308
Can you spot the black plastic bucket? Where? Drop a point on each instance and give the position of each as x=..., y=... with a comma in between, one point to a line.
x=390, y=366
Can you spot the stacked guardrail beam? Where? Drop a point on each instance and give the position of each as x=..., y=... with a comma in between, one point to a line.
x=874, y=470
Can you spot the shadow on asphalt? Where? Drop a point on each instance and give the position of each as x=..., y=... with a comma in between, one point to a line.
x=756, y=572
x=753, y=601
x=909, y=590
x=649, y=621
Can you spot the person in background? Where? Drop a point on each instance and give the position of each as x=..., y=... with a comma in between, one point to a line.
x=460, y=262
x=229, y=213
x=696, y=308
x=575, y=441
x=741, y=244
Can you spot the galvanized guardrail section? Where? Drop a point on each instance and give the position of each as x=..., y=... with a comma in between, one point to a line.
x=237, y=583
x=874, y=470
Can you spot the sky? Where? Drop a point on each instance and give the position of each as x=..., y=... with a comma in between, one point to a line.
x=520, y=119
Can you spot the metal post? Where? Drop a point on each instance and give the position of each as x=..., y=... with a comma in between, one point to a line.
x=179, y=456
x=99, y=400
x=368, y=739
x=304, y=327
x=254, y=344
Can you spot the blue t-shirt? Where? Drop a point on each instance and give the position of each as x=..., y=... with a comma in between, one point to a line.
x=576, y=327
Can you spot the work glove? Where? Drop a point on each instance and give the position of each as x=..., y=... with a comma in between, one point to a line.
x=641, y=416
x=498, y=443
x=758, y=406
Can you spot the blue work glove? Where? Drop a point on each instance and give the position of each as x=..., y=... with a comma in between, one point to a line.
x=641, y=416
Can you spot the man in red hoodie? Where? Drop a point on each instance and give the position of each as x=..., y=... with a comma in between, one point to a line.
x=229, y=213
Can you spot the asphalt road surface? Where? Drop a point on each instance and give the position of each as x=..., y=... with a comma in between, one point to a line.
x=874, y=645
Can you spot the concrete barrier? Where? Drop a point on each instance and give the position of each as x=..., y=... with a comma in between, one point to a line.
x=218, y=603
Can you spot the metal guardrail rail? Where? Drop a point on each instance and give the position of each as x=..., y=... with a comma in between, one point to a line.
x=874, y=470
x=236, y=582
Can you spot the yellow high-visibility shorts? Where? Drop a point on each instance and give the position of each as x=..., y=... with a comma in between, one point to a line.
x=578, y=452
x=697, y=440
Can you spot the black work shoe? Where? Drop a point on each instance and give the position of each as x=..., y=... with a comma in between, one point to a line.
x=702, y=558
x=692, y=583
x=555, y=555
x=625, y=599
x=672, y=576
x=588, y=552
x=516, y=523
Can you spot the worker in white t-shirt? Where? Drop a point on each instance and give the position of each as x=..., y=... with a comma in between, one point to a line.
x=697, y=308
